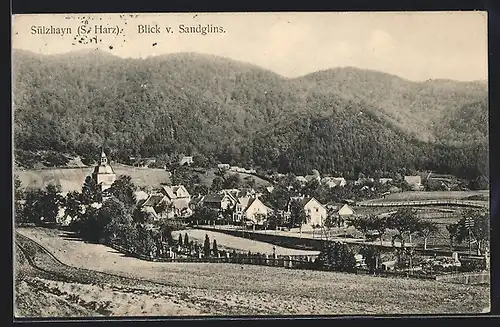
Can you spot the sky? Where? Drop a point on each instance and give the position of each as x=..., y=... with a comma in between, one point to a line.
x=414, y=45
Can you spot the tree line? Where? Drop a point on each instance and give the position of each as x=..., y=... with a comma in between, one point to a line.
x=235, y=114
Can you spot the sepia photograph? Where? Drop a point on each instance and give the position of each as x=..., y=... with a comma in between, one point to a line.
x=250, y=164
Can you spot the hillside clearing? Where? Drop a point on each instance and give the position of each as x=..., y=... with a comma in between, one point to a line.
x=72, y=179
x=237, y=288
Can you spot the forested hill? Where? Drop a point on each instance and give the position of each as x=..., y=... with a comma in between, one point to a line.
x=218, y=109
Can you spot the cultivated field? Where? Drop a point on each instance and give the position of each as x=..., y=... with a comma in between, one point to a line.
x=434, y=195
x=216, y=289
x=71, y=179
x=229, y=242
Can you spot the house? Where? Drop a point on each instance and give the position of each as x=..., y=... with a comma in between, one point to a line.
x=196, y=201
x=223, y=166
x=140, y=195
x=251, y=210
x=270, y=189
x=219, y=201
x=155, y=205
x=103, y=174
x=333, y=181
x=394, y=189
x=385, y=180
x=312, y=177
x=301, y=179
x=186, y=161
x=345, y=212
x=415, y=182
x=315, y=211
x=364, y=180
x=177, y=198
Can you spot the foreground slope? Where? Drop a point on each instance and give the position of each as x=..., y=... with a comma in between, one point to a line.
x=242, y=289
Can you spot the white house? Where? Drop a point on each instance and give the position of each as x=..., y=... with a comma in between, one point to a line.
x=333, y=181
x=255, y=211
x=415, y=182
x=384, y=180
x=315, y=211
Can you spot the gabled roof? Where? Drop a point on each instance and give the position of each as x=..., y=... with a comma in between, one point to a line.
x=305, y=200
x=153, y=200
x=214, y=197
x=171, y=191
x=346, y=209
x=255, y=201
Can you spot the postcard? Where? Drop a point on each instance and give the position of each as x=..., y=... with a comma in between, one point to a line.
x=250, y=164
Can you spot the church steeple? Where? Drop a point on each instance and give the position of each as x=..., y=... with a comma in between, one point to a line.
x=104, y=159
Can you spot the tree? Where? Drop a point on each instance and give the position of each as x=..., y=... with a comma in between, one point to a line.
x=298, y=215
x=371, y=254
x=18, y=197
x=52, y=200
x=426, y=229
x=112, y=216
x=73, y=205
x=380, y=224
x=274, y=220
x=206, y=246
x=215, y=250
x=33, y=206
x=452, y=230
x=123, y=189
x=204, y=213
x=217, y=184
x=186, y=240
x=337, y=256
x=179, y=241
x=91, y=192
x=404, y=221
x=232, y=181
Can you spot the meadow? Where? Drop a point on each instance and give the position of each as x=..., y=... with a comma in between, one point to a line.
x=228, y=242
x=215, y=289
x=71, y=179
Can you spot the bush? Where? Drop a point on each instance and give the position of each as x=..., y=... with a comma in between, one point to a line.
x=472, y=265
x=337, y=256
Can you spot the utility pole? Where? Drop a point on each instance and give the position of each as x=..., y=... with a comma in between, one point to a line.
x=469, y=223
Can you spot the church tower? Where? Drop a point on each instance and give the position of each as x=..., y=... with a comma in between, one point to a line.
x=103, y=174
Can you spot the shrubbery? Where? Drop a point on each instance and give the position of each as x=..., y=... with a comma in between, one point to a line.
x=337, y=256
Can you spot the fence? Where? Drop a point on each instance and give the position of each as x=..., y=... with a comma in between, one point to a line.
x=475, y=204
x=466, y=278
x=289, y=261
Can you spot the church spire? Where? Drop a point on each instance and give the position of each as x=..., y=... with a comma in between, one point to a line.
x=104, y=158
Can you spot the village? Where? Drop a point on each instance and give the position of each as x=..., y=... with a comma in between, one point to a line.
x=286, y=215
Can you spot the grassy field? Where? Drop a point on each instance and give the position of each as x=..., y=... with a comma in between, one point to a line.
x=435, y=195
x=210, y=174
x=229, y=242
x=71, y=179
x=230, y=289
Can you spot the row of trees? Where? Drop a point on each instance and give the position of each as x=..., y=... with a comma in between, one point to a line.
x=406, y=224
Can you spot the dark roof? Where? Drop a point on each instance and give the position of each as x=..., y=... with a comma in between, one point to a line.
x=214, y=198
x=153, y=200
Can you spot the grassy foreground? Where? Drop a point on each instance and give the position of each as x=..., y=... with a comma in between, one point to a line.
x=233, y=289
